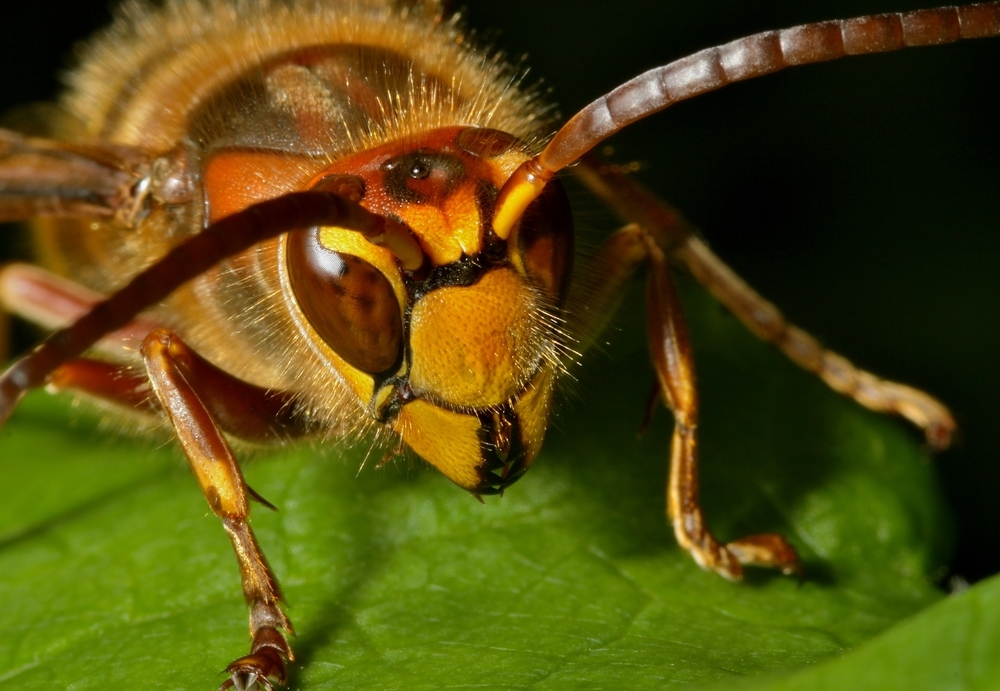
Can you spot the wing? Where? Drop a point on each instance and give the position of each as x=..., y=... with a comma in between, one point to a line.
x=42, y=177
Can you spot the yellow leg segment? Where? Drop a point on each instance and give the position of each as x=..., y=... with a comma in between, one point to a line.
x=222, y=482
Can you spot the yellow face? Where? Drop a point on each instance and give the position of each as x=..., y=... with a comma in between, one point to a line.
x=460, y=356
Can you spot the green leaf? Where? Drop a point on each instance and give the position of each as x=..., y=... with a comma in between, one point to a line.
x=114, y=574
x=953, y=645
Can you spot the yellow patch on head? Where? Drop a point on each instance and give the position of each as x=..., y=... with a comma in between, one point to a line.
x=447, y=440
x=479, y=345
x=448, y=231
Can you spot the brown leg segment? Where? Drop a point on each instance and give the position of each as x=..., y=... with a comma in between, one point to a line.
x=116, y=384
x=245, y=411
x=222, y=482
x=767, y=323
x=671, y=231
x=613, y=264
x=670, y=348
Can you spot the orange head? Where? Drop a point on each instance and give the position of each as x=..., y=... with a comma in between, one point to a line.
x=459, y=356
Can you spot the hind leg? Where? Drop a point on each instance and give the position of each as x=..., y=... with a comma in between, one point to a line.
x=673, y=233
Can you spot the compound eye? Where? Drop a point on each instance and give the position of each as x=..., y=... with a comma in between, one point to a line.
x=545, y=240
x=349, y=303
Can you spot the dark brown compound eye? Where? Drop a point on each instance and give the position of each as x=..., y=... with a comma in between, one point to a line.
x=545, y=240
x=349, y=303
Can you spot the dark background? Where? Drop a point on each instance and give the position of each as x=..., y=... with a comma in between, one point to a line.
x=861, y=196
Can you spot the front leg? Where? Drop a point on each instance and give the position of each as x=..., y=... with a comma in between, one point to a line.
x=201, y=401
x=227, y=493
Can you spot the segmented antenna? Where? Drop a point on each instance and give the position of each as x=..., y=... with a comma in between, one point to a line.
x=714, y=68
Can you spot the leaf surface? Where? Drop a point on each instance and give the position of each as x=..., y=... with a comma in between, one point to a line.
x=114, y=574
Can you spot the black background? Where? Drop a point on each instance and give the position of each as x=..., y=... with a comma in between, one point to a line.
x=861, y=196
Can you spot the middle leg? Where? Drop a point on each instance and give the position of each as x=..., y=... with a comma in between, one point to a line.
x=613, y=264
x=670, y=348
